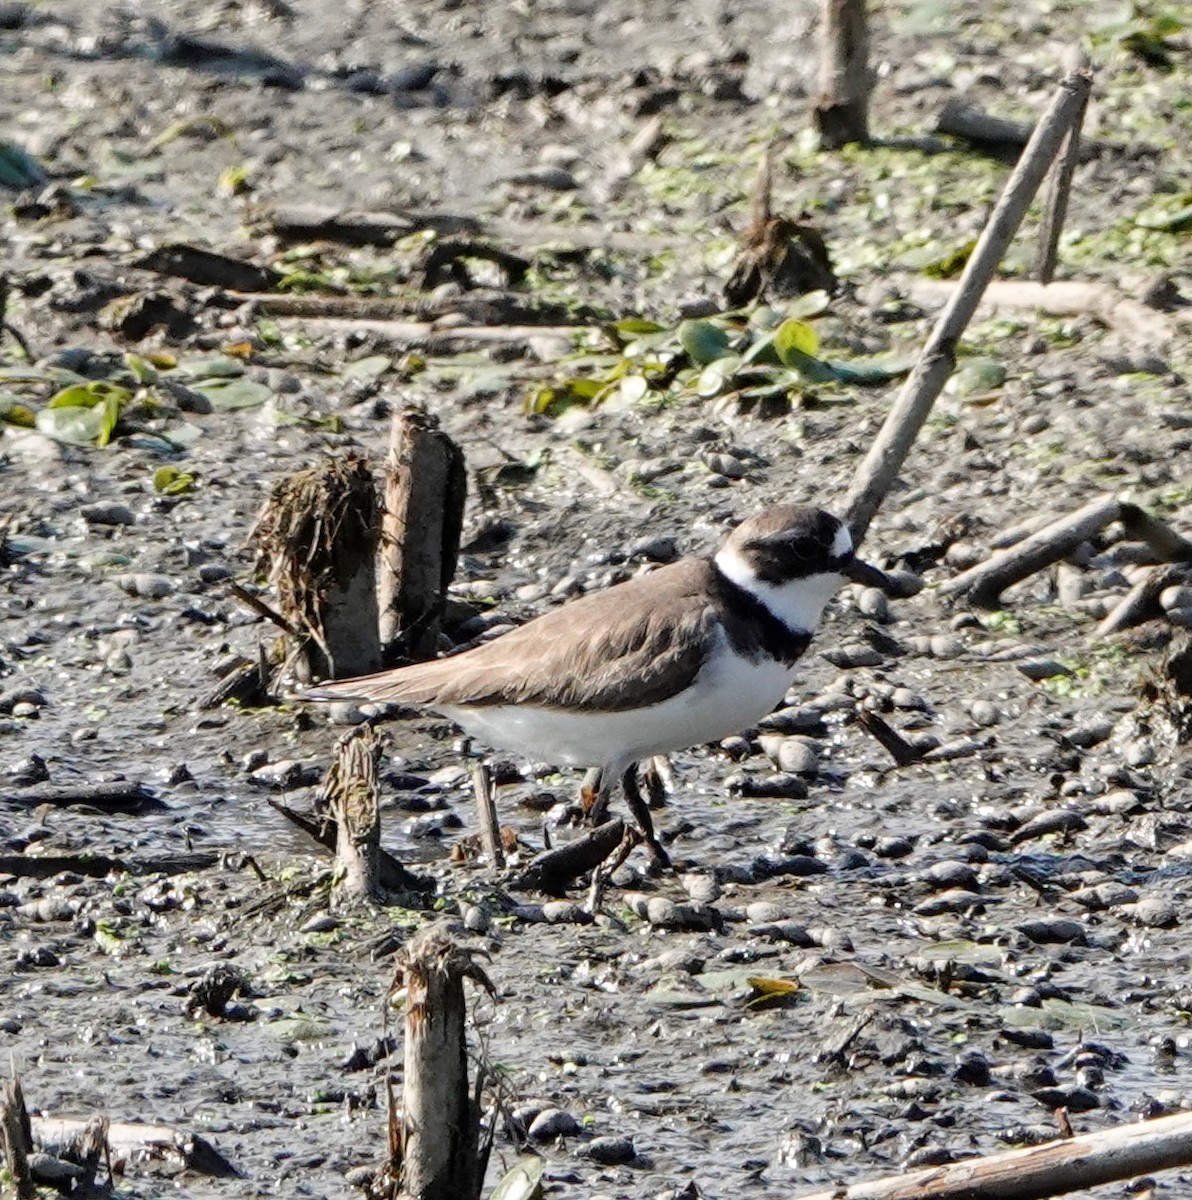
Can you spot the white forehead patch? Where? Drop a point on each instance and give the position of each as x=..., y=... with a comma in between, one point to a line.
x=842, y=543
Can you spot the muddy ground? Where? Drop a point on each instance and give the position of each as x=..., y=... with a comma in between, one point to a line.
x=980, y=939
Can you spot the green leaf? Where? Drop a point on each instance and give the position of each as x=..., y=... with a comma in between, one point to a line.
x=84, y=412
x=715, y=377
x=703, y=341
x=372, y=367
x=879, y=368
x=215, y=366
x=233, y=393
x=810, y=304
x=142, y=371
x=523, y=1181
x=810, y=369
x=1167, y=220
x=794, y=340
x=950, y=264
x=84, y=395
x=631, y=327
x=172, y=481
x=14, y=411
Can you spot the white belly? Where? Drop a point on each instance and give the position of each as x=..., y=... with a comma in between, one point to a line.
x=729, y=694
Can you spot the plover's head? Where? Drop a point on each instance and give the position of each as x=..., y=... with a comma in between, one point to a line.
x=794, y=560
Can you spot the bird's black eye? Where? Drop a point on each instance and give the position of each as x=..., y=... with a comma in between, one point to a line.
x=804, y=549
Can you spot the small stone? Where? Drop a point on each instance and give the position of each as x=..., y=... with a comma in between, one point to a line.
x=701, y=888
x=655, y=549
x=944, y=646
x=1152, y=912
x=873, y=603
x=798, y=757
x=610, y=1151
x=984, y=713
x=728, y=465
x=853, y=654
x=554, y=179
x=893, y=847
x=1029, y=1039
x=1181, y=617
x=476, y=918
x=565, y=912
x=955, y=900
x=972, y=1068
x=1176, y=597
x=950, y=874
x=320, y=923
x=1045, y=823
x=286, y=774
x=344, y=712
x=762, y=912
x=107, y=514
x=907, y=700
x=214, y=573
x=1090, y=732
x=1139, y=752
x=145, y=585
x=552, y=1123
x=1103, y=895
x=1042, y=668
x=1053, y=931
x=778, y=787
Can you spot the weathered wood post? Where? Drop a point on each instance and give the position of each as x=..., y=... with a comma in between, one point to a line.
x=842, y=106
x=350, y=797
x=441, y=1157
x=425, y=490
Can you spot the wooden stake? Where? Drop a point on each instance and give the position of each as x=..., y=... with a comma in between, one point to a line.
x=1124, y=1152
x=885, y=458
x=16, y=1137
x=425, y=489
x=1056, y=208
x=842, y=108
x=486, y=805
x=440, y=1128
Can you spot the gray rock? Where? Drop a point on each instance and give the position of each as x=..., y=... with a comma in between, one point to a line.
x=1152, y=912
x=701, y=887
x=1176, y=597
x=763, y=912
x=873, y=603
x=1055, y=821
x=552, y=1123
x=853, y=654
x=984, y=713
x=610, y=1151
x=146, y=585
x=565, y=912
x=1042, y=668
x=550, y=178
x=1053, y=931
x=107, y=514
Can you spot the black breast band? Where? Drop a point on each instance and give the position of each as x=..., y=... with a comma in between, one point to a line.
x=753, y=629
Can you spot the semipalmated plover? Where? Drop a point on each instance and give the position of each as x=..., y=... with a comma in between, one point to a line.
x=686, y=654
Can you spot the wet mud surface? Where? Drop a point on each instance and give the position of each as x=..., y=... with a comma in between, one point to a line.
x=981, y=938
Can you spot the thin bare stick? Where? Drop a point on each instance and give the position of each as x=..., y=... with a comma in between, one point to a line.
x=1141, y=602
x=490, y=830
x=1056, y=209
x=885, y=458
x=261, y=608
x=1066, y=1165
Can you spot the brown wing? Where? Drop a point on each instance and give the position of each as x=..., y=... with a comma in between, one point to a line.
x=637, y=643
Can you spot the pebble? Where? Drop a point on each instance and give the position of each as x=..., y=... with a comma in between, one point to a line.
x=1029, y=1039
x=984, y=713
x=345, y=712
x=907, y=700
x=794, y=720
x=954, y=900
x=286, y=774
x=1075, y=1099
x=320, y=923
x=1181, y=617
x=1053, y=930
x=800, y=866
x=972, y=1068
x=944, y=645
x=950, y=874
x=145, y=585
x=790, y=932
x=795, y=755
x=1055, y=821
x=893, y=847
x=609, y=1151
x=1118, y=804
x=1103, y=895
x=655, y=549
x=728, y=465
x=1092, y=731
x=663, y=913
x=1139, y=752
x=873, y=603
x=850, y=655
x=107, y=514
x=1152, y=912
x=1176, y=597
x=552, y=1123
x=554, y=179
x=1042, y=668
x=701, y=888
x=777, y=787
x=565, y=912
x=32, y=447
x=762, y=912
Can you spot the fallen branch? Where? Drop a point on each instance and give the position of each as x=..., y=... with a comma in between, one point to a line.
x=136, y=1142
x=885, y=458
x=1067, y=1165
x=1067, y=298
x=1141, y=602
x=354, y=228
x=98, y=866
x=122, y=795
x=486, y=806
x=900, y=750
x=985, y=582
x=552, y=870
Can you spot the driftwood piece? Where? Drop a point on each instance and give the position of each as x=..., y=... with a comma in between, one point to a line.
x=351, y=227
x=1140, y=323
x=552, y=870
x=440, y=1124
x=132, y=1141
x=351, y=797
x=627, y=161
x=842, y=106
x=208, y=269
x=965, y=120
x=985, y=582
x=425, y=489
x=486, y=807
x=881, y=465
x=316, y=538
x=392, y=876
x=900, y=750
x=121, y=795
x=1055, y=210
x=1141, y=602
x=1066, y=1165
x=16, y=1137
x=97, y=866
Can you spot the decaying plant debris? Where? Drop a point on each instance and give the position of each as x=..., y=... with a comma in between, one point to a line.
x=316, y=541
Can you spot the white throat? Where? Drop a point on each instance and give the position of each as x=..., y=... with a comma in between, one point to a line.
x=798, y=604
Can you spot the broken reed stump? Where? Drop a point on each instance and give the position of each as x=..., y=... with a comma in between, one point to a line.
x=441, y=1154
x=1065, y=1165
x=350, y=797
x=842, y=106
x=881, y=465
x=425, y=490
x=16, y=1137
x=316, y=540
